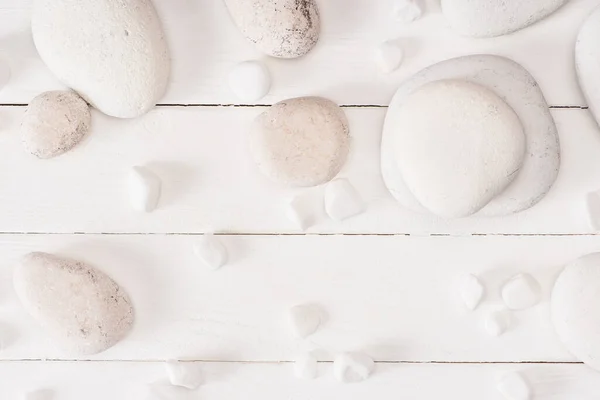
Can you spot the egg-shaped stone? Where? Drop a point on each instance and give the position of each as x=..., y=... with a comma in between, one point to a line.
x=82, y=308
x=587, y=62
x=301, y=142
x=279, y=28
x=112, y=52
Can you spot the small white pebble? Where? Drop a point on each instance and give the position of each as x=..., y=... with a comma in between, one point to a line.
x=593, y=209
x=161, y=391
x=352, y=367
x=342, y=201
x=407, y=11
x=250, y=81
x=4, y=73
x=306, y=366
x=513, y=387
x=497, y=322
x=211, y=251
x=41, y=394
x=471, y=291
x=301, y=211
x=144, y=189
x=184, y=374
x=304, y=320
x=520, y=292
x=389, y=56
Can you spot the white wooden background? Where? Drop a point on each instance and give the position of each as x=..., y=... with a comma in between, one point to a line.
x=385, y=278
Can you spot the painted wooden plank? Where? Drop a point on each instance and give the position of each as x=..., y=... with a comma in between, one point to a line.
x=394, y=297
x=205, y=45
x=210, y=181
x=229, y=381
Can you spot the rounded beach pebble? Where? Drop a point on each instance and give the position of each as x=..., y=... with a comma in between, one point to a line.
x=279, y=28
x=250, y=80
x=54, y=123
x=113, y=53
x=82, y=308
x=587, y=59
x=301, y=142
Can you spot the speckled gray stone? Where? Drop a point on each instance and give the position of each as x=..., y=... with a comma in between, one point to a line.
x=82, y=308
x=279, y=28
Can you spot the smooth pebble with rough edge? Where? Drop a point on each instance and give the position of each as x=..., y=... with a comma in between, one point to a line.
x=144, y=189
x=575, y=309
x=301, y=210
x=592, y=203
x=113, y=53
x=81, y=307
x=211, y=251
x=40, y=394
x=306, y=366
x=54, y=123
x=587, y=62
x=342, y=201
x=352, y=367
x=301, y=142
x=389, y=56
x=471, y=291
x=488, y=18
x=250, y=81
x=497, y=322
x=522, y=291
x=407, y=11
x=304, y=320
x=513, y=386
x=185, y=374
x=279, y=28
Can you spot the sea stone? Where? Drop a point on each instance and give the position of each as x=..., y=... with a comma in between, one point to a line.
x=587, y=62
x=112, y=52
x=575, y=309
x=472, y=141
x=54, y=123
x=301, y=142
x=306, y=366
x=84, y=309
x=352, y=367
x=279, y=28
x=471, y=291
x=488, y=18
x=513, y=386
x=250, y=81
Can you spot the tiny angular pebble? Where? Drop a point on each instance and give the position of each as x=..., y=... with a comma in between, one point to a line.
x=304, y=320
x=40, y=394
x=521, y=291
x=389, y=56
x=497, y=322
x=352, y=367
x=471, y=291
x=513, y=386
x=54, y=123
x=592, y=201
x=5, y=73
x=342, y=201
x=211, y=251
x=144, y=189
x=306, y=366
x=79, y=306
x=407, y=11
x=250, y=81
x=301, y=211
x=185, y=374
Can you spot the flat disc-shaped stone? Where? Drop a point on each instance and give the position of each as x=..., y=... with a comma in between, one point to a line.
x=587, y=62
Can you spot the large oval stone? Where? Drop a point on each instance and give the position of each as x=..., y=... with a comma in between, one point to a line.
x=279, y=28
x=587, y=62
x=112, y=52
x=82, y=308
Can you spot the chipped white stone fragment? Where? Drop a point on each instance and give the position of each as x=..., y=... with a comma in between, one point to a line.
x=497, y=322
x=39, y=394
x=301, y=211
x=592, y=202
x=407, y=11
x=513, y=386
x=352, y=367
x=305, y=366
x=250, y=81
x=389, y=56
x=144, y=189
x=471, y=291
x=342, y=201
x=521, y=291
x=304, y=320
x=184, y=374
x=211, y=251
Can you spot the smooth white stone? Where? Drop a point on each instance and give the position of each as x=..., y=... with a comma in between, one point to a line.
x=389, y=56
x=185, y=374
x=163, y=391
x=521, y=92
x=304, y=320
x=497, y=322
x=279, y=28
x=144, y=189
x=342, y=201
x=54, y=123
x=522, y=291
x=250, y=81
x=471, y=291
x=587, y=61
x=211, y=251
x=301, y=211
x=306, y=366
x=592, y=202
x=40, y=394
x=301, y=142
x=575, y=309
x=352, y=367
x=5, y=73
x=114, y=54
x=407, y=11
x=81, y=307
x=472, y=140
x=513, y=387
x=488, y=18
